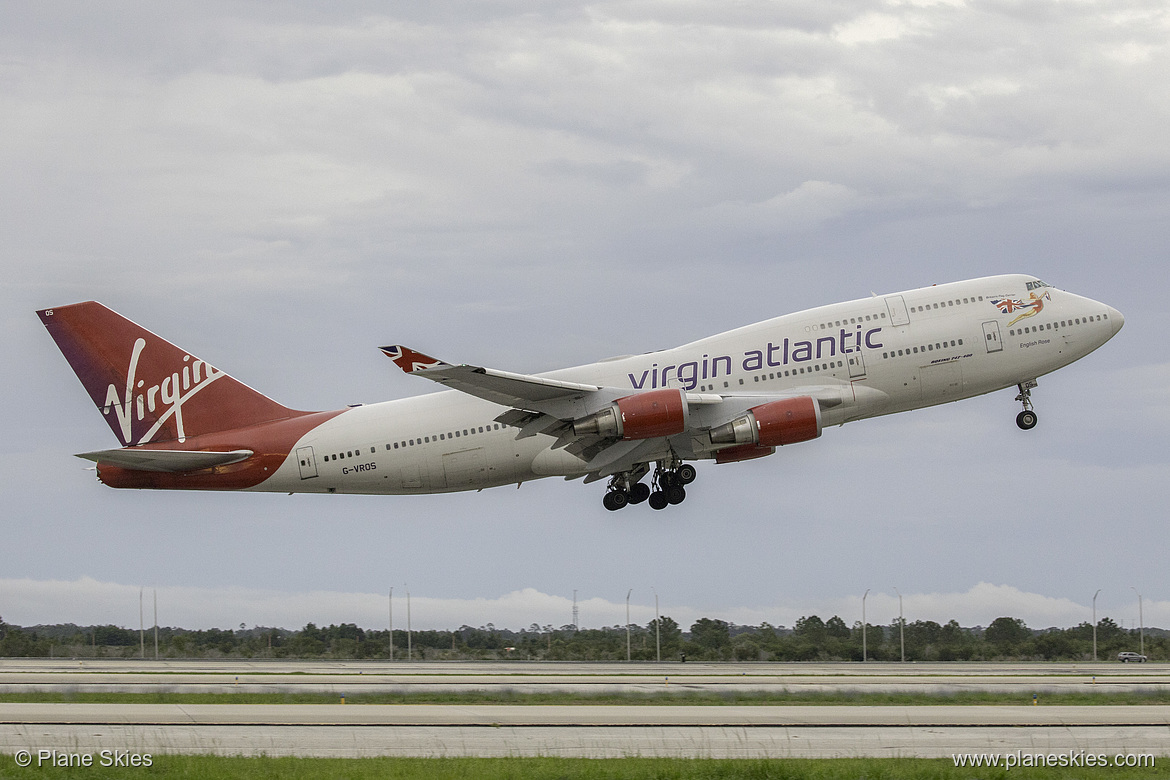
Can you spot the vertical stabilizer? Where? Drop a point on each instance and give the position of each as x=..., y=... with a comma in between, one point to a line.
x=148, y=389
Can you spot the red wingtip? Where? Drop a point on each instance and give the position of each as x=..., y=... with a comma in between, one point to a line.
x=409, y=360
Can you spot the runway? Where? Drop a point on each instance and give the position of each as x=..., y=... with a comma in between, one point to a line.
x=351, y=678
x=715, y=731
x=582, y=731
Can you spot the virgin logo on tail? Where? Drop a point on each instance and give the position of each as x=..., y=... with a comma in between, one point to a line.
x=136, y=402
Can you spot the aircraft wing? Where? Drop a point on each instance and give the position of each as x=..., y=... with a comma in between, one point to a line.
x=557, y=398
x=165, y=460
x=536, y=405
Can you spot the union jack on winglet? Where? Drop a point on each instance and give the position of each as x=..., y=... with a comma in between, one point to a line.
x=409, y=360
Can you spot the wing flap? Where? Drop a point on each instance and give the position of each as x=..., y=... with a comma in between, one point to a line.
x=519, y=391
x=165, y=460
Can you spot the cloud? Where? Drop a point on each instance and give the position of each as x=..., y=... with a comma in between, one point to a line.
x=87, y=601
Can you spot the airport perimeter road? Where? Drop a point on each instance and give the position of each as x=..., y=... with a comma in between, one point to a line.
x=594, y=732
x=351, y=678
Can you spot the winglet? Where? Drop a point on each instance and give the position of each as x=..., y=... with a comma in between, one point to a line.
x=409, y=360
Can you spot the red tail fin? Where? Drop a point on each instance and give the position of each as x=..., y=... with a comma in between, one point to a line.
x=148, y=389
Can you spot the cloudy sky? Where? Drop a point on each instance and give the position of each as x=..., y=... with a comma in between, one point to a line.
x=529, y=186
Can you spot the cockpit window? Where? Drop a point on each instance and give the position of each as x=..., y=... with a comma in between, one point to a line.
x=1036, y=285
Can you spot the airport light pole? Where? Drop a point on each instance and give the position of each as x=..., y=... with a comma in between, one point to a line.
x=863, y=654
x=631, y=590
x=1141, y=623
x=408, y=654
x=1095, y=624
x=901, y=625
x=657, y=630
x=390, y=607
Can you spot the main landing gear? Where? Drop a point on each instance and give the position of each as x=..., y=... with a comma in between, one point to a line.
x=668, y=487
x=1026, y=419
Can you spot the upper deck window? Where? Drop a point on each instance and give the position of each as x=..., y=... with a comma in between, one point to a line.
x=1036, y=285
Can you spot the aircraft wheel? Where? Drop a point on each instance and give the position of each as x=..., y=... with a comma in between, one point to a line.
x=1026, y=420
x=675, y=494
x=686, y=474
x=658, y=500
x=615, y=500
x=666, y=479
x=639, y=493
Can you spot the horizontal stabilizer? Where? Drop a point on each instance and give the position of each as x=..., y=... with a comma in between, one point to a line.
x=165, y=460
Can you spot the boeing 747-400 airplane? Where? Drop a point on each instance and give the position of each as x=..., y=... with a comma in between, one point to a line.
x=184, y=424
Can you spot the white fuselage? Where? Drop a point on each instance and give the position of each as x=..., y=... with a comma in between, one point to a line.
x=883, y=354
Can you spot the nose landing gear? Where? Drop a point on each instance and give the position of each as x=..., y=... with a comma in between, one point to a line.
x=1026, y=419
x=668, y=487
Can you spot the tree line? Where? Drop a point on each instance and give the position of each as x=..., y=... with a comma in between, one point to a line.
x=709, y=639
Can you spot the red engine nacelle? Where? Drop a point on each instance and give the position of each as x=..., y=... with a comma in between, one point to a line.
x=641, y=416
x=773, y=424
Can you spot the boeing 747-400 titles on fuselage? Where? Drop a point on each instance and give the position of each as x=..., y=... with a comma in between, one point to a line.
x=184, y=424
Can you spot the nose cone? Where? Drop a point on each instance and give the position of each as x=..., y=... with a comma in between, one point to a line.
x=1116, y=319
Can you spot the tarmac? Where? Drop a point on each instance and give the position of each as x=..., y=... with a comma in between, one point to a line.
x=581, y=730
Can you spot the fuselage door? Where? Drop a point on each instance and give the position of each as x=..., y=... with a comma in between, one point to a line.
x=899, y=314
x=465, y=468
x=307, y=462
x=856, y=364
x=991, y=336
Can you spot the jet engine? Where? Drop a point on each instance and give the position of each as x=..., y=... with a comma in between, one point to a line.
x=773, y=424
x=641, y=416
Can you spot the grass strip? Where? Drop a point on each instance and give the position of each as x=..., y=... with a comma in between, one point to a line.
x=712, y=698
x=215, y=768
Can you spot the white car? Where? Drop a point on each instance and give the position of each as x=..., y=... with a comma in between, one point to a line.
x=1127, y=656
